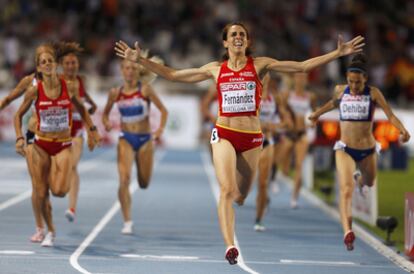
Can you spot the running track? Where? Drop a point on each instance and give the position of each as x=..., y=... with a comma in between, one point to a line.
x=176, y=226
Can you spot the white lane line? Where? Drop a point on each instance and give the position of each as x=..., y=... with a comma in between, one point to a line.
x=367, y=237
x=83, y=167
x=216, y=192
x=160, y=257
x=98, y=228
x=16, y=252
x=309, y=262
x=16, y=199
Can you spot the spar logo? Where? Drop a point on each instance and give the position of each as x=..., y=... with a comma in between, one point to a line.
x=233, y=86
x=238, y=86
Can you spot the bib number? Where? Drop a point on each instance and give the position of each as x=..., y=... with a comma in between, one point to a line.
x=214, y=136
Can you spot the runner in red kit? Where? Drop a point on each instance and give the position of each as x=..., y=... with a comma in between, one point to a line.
x=51, y=151
x=237, y=139
x=69, y=61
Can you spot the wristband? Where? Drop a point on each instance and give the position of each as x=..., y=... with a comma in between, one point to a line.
x=19, y=138
x=92, y=128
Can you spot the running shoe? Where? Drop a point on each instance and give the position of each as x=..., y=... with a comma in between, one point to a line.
x=48, y=240
x=349, y=240
x=70, y=215
x=231, y=254
x=38, y=236
x=293, y=204
x=259, y=227
x=128, y=228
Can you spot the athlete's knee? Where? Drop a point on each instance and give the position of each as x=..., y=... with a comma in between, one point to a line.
x=124, y=180
x=228, y=192
x=143, y=184
x=144, y=181
x=368, y=181
x=347, y=191
x=40, y=194
x=240, y=199
x=58, y=192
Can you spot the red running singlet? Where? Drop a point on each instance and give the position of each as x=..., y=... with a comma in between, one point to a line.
x=239, y=92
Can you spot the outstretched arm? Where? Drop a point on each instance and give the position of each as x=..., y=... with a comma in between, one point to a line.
x=17, y=91
x=184, y=75
x=380, y=100
x=343, y=49
x=330, y=105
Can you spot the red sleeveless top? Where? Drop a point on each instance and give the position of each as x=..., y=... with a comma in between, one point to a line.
x=239, y=92
x=53, y=115
x=75, y=114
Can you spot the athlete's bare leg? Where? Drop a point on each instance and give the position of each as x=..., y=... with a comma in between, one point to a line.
x=345, y=167
x=77, y=148
x=40, y=178
x=265, y=165
x=301, y=149
x=145, y=159
x=125, y=160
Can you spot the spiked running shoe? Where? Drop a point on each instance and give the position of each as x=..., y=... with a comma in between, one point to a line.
x=48, y=240
x=38, y=236
x=231, y=255
x=259, y=227
x=70, y=215
x=127, y=229
x=349, y=240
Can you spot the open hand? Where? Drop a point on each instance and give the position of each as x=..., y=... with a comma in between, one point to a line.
x=350, y=47
x=124, y=51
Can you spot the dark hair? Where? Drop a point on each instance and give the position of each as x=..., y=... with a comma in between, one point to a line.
x=65, y=48
x=358, y=64
x=224, y=38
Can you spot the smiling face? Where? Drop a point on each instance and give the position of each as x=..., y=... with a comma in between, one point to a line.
x=237, y=39
x=46, y=63
x=70, y=65
x=356, y=81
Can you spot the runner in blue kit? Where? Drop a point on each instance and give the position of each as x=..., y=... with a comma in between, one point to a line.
x=357, y=146
x=237, y=138
x=135, y=140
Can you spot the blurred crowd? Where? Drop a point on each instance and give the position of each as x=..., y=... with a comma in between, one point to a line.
x=187, y=33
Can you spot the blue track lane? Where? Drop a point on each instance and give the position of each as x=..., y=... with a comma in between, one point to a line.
x=176, y=227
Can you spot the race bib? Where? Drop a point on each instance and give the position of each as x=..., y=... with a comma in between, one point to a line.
x=238, y=97
x=54, y=119
x=352, y=109
x=214, y=136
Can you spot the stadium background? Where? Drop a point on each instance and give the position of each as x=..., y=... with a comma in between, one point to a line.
x=187, y=34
